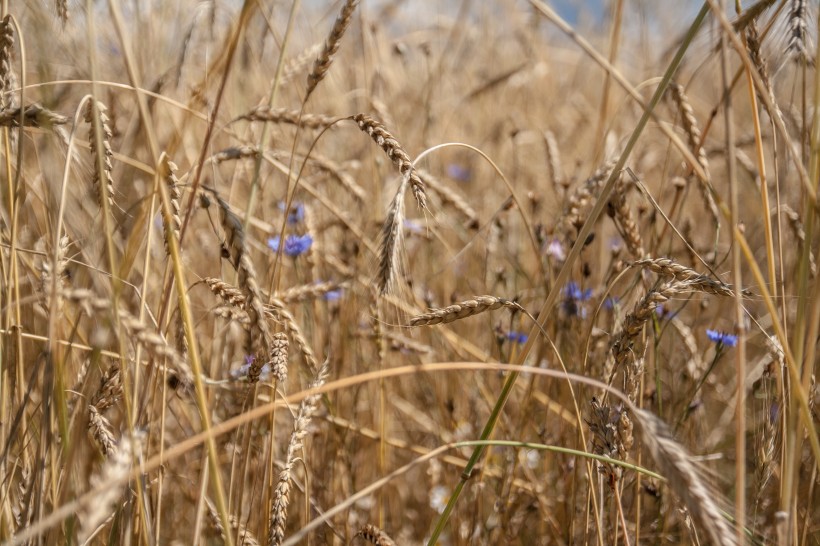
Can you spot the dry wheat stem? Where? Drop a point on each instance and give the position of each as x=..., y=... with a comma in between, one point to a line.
x=464, y=309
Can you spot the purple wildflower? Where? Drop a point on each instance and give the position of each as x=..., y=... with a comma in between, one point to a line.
x=459, y=172
x=333, y=295
x=556, y=250
x=295, y=245
x=517, y=337
x=721, y=338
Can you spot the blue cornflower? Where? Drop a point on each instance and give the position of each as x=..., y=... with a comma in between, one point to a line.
x=573, y=292
x=610, y=303
x=295, y=245
x=517, y=337
x=296, y=213
x=333, y=295
x=721, y=338
x=574, y=297
x=459, y=172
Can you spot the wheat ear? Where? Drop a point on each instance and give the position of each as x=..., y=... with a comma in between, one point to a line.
x=464, y=309
x=281, y=499
x=684, y=477
x=374, y=535
x=322, y=63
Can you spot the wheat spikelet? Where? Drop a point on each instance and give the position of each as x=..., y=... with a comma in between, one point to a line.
x=581, y=198
x=34, y=115
x=246, y=538
x=322, y=63
x=298, y=63
x=169, y=173
x=684, y=477
x=395, y=152
x=461, y=310
x=622, y=215
x=290, y=117
x=108, y=191
x=235, y=240
x=800, y=233
x=553, y=159
x=307, y=292
x=110, y=389
x=92, y=513
x=450, y=197
x=279, y=357
x=227, y=293
x=392, y=237
x=47, y=274
x=798, y=24
x=694, y=280
x=622, y=346
x=100, y=431
x=694, y=136
x=374, y=535
x=233, y=153
x=279, y=311
x=62, y=10
x=281, y=498
x=6, y=71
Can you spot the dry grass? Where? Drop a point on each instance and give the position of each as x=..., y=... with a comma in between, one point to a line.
x=208, y=282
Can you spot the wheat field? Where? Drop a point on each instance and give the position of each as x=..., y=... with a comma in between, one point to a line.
x=387, y=272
